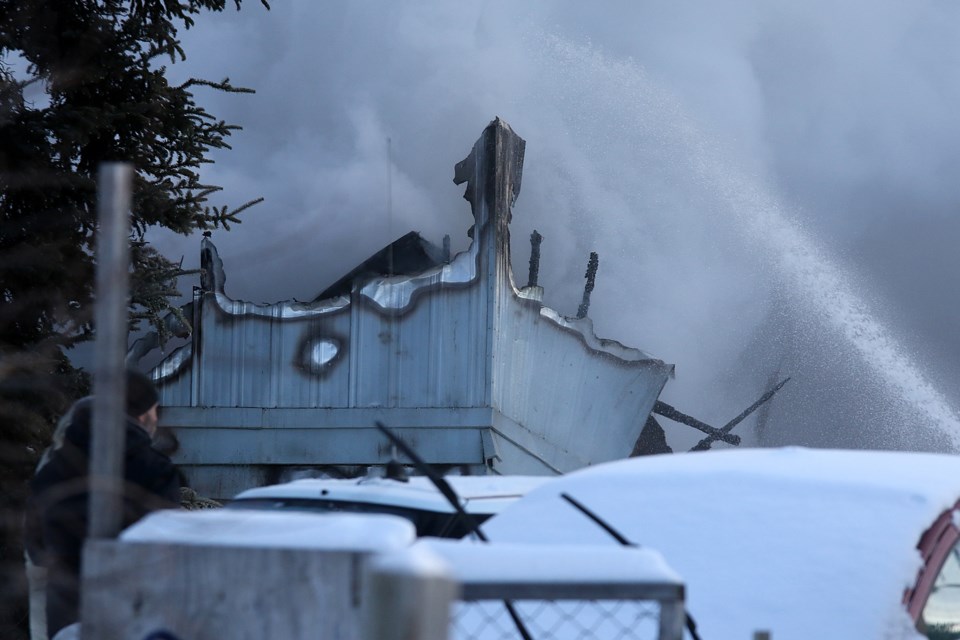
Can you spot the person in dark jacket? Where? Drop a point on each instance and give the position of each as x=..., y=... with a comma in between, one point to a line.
x=60, y=494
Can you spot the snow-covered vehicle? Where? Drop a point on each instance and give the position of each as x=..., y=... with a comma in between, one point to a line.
x=802, y=543
x=415, y=499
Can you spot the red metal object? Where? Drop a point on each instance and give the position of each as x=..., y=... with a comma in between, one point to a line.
x=934, y=546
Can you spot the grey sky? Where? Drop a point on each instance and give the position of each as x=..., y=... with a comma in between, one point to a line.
x=660, y=135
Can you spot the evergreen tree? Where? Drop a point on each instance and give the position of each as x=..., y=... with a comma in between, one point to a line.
x=99, y=69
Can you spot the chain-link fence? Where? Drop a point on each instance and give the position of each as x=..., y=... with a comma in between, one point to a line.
x=445, y=590
x=557, y=619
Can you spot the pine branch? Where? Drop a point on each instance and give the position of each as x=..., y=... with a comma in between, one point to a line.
x=223, y=85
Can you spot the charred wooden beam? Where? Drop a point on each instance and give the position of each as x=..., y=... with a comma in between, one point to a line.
x=591, y=277
x=763, y=413
x=667, y=411
x=534, y=274
x=704, y=444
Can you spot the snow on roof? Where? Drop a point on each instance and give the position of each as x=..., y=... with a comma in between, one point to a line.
x=479, y=494
x=288, y=529
x=803, y=543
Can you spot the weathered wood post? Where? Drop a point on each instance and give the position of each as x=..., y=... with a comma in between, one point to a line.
x=114, y=187
x=408, y=597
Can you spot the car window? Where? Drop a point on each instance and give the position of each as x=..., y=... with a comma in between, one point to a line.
x=940, y=619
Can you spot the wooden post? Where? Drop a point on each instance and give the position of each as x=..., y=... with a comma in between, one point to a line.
x=408, y=597
x=114, y=188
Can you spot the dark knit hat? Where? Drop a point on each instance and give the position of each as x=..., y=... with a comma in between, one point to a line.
x=141, y=394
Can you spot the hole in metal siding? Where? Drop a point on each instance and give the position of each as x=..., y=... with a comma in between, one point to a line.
x=323, y=352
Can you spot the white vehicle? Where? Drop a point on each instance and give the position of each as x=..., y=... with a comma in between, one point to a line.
x=799, y=542
x=416, y=499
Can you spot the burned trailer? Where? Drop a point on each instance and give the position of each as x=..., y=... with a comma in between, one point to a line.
x=467, y=368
